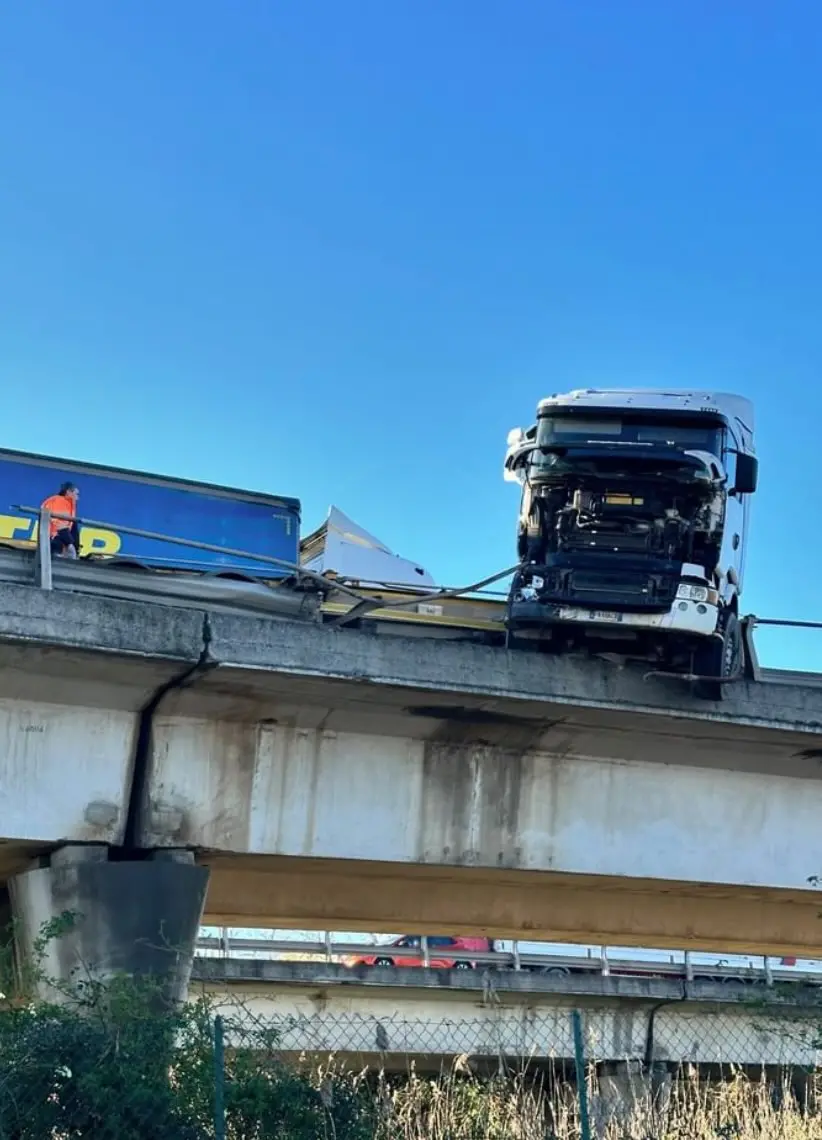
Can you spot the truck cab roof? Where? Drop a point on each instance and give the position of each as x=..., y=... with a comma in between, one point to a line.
x=727, y=404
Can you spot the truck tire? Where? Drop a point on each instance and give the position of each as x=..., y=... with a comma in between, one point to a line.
x=720, y=657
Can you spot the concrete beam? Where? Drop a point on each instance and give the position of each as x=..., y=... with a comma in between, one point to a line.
x=534, y=988
x=302, y=893
x=64, y=772
x=308, y=655
x=105, y=625
x=461, y=669
x=274, y=790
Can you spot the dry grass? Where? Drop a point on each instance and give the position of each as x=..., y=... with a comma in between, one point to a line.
x=736, y=1107
x=459, y=1106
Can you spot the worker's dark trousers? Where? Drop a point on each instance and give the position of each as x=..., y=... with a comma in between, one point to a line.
x=65, y=538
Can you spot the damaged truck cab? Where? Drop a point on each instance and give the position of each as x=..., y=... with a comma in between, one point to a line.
x=633, y=526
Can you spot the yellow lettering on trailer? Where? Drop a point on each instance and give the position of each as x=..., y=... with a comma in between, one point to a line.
x=20, y=531
x=16, y=527
x=96, y=541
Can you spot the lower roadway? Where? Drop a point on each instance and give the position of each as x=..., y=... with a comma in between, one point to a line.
x=385, y=1016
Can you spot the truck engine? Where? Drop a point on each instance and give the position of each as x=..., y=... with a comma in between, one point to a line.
x=664, y=510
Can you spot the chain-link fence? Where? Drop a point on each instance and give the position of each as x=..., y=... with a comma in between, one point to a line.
x=716, y=1037
x=230, y=1073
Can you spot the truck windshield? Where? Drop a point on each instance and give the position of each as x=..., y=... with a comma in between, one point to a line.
x=562, y=431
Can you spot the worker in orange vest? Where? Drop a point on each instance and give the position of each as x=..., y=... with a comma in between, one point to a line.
x=64, y=533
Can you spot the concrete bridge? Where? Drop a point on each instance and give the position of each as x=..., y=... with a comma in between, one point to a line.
x=165, y=761
x=388, y=1017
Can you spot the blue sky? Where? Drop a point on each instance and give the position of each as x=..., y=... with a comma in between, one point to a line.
x=336, y=250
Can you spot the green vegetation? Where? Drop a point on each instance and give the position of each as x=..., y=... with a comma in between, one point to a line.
x=108, y=1061
x=109, y=1066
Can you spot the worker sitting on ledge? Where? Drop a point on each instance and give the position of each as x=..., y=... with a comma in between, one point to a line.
x=64, y=533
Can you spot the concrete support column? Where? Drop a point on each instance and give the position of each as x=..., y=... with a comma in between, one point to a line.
x=6, y=944
x=626, y=1088
x=805, y=1087
x=136, y=917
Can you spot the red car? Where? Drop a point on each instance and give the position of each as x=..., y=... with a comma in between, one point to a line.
x=411, y=947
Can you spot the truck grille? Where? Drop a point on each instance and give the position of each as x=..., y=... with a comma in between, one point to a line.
x=604, y=541
x=629, y=590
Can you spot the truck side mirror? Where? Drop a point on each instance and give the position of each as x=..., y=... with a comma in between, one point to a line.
x=747, y=470
x=516, y=458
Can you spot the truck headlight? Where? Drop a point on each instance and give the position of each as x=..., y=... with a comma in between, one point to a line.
x=692, y=593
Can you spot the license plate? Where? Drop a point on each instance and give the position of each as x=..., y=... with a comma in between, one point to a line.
x=591, y=615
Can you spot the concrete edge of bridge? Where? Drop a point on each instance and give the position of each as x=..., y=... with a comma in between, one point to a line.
x=251, y=974
x=449, y=669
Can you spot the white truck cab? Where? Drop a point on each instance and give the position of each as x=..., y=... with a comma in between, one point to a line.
x=633, y=525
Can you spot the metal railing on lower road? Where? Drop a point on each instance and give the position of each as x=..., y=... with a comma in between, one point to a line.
x=762, y=970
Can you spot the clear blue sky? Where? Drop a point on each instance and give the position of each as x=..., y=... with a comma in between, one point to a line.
x=337, y=249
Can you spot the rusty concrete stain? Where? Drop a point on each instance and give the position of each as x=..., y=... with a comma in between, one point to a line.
x=624, y=1031
x=101, y=814
x=459, y=724
x=281, y=771
x=234, y=748
x=314, y=771
x=167, y=822
x=471, y=801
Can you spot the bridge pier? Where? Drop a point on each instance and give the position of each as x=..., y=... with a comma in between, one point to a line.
x=83, y=914
x=626, y=1088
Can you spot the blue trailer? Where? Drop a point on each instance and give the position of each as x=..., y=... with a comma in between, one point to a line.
x=201, y=512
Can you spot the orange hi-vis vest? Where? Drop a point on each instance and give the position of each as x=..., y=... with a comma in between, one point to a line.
x=58, y=505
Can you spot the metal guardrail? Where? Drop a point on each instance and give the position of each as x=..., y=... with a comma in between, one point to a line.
x=112, y=580
x=363, y=603
x=197, y=588
x=44, y=559
x=515, y=959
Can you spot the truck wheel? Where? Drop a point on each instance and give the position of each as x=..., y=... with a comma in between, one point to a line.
x=721, y=657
